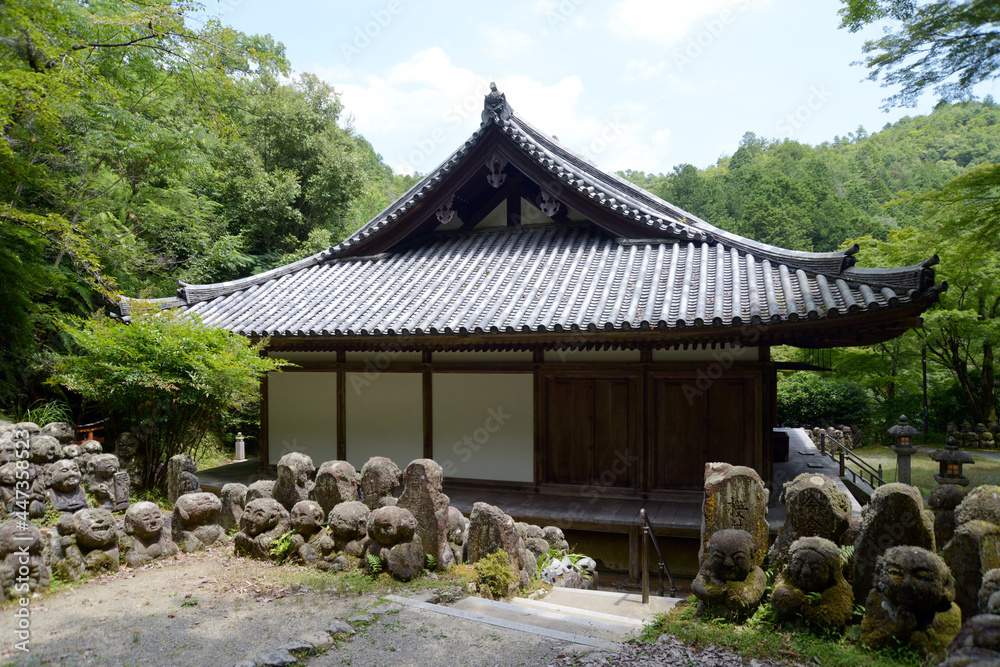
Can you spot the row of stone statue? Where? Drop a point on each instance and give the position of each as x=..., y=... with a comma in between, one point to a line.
x=58, y=472
x=365, y=518
x=336, y=511
x=980, y=436
x=910, y=593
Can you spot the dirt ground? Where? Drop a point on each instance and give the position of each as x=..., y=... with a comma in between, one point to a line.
x=210, y=608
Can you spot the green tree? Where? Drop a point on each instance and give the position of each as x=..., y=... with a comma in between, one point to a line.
x=163, y=376
x=962, y=332
x=947, y=45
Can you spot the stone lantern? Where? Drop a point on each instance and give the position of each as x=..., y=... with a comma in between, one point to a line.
x=903, y=435
x=240, y=447
x=951, y=459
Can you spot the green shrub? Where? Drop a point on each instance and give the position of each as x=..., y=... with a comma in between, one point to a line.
x=495, y=573
x=164, y=376
x=812, y=399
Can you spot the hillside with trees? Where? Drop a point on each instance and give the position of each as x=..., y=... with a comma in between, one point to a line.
x=909, y=191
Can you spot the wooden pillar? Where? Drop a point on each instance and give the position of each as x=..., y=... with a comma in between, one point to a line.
x=264, y=455
x=341, y=406
x=428, y=391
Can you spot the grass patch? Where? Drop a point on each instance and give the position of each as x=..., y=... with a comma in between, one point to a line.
x=761, y=639
x=922, y=468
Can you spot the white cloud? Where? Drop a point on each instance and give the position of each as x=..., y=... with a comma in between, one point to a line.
x=640, y=70
x=420, y=110
x=505, y=43
x=667, y=21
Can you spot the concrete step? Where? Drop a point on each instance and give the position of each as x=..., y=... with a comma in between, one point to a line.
x=542, y=616
x=543, y=623
x=623, y=608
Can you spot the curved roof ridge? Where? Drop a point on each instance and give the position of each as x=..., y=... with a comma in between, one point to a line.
x=673, y=213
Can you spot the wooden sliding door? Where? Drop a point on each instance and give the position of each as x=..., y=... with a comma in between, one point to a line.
x=591, y=430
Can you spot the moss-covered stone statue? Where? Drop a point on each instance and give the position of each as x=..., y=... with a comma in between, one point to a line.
x=729, y=583
x=911, y=602
x=812, y=588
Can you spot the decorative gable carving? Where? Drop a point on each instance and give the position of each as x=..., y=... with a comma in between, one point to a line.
x=496, y=165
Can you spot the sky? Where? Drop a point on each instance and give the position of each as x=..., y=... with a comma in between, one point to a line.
x=629, y=84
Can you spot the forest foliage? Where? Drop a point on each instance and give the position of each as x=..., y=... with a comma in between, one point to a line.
x=144, y=143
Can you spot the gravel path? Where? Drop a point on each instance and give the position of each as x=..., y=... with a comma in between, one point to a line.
x=209, y=608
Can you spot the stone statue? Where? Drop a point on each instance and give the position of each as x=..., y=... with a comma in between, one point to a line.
x=234, y=499
x=101, y=470
x=814, y=566
x=729, y=582
x=295, y=479
x=380, y=478
x=264, y=520
x=65, y=492
x=34, y=503
x=195, y=522
x=349, y=523
x=23, y=566
x=181, y=477
x=87, y=542
x=145, y=539
x=312, y=542
x=336, y=482
x=912, y=602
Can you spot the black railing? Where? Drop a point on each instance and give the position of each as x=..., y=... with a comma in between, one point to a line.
x=838, y=452
x=647, y=535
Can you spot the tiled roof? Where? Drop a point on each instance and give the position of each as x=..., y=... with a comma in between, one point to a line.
x=675, y=271
x=543, y=278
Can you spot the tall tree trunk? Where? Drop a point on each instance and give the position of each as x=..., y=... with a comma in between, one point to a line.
x=989, y=379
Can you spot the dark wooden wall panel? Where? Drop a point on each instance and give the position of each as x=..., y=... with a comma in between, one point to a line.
x=679, y=437
x=727, y=434
x=612, y=430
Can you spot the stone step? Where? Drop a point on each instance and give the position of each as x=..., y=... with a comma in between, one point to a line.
x=625, y=607
x=543, y=623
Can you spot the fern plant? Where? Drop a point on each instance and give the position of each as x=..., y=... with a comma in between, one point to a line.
x=281, y=548
x=374, y=564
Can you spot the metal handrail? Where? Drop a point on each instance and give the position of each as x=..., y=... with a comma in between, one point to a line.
x=875, y=478
x=648, y=534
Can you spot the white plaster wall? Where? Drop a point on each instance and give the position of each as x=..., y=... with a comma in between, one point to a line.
x=479, y=357
x=384, y=417
x=484, y=425
x=587, y=356
x=723, y=353
x=302, y=415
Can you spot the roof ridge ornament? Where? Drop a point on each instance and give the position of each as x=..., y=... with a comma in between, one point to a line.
x=495, y=107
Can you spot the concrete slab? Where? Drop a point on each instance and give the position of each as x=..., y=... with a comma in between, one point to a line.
x=609, y=602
